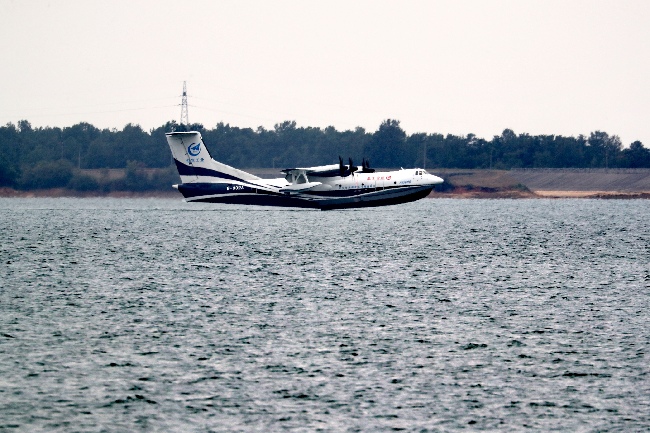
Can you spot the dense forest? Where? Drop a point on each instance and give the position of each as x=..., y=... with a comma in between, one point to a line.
x=59, y=157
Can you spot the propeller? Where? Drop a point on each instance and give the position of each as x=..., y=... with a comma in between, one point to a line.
x=365, y=166
x=343, y=170
x=353, y=168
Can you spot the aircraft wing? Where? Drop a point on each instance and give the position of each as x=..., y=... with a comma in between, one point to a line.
x=322, y=170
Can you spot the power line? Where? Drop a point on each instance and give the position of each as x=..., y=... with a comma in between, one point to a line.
x=94, y=112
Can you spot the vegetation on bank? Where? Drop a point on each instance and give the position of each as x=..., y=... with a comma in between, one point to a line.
x=52, y=157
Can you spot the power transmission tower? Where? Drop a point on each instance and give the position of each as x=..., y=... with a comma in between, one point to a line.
x=184, y=117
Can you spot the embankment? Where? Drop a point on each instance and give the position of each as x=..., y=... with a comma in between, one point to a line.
x=560, y=183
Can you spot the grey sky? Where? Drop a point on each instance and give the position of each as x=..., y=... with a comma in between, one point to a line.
x=543, y=67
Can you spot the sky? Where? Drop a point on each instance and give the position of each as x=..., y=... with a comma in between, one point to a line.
x=562, y=67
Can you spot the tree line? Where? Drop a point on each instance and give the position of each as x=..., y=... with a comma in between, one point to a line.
x=47, y=157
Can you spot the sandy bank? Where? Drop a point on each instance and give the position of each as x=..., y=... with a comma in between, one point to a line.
x=593, y=194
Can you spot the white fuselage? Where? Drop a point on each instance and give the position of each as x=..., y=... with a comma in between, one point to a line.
x=361, y=181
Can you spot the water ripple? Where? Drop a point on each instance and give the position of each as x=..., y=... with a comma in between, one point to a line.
x=440, y=315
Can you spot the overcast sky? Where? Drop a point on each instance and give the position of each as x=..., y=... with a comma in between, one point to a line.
x=564, y=67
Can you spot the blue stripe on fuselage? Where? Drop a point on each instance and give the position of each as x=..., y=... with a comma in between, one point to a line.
x=219, y=188
x=188, y=170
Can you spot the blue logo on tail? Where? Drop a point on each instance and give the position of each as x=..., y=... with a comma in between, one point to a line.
x=194, y=149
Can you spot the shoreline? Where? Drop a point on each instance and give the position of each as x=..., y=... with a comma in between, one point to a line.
x=459, y=183
x=516, y=193
x=459, y=192
x=67, y=193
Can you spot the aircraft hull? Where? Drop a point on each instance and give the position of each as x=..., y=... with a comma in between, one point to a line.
x=384, y=197
x=330, y=200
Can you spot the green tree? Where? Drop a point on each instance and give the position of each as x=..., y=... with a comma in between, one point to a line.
x=76, y=141
x=387, y=146
x=83, y=182
x=9, y=173
x=10, y=147
x=603, y=149
x=163, y=179
x=136, y=178
x=637, y=156
x=47, y=174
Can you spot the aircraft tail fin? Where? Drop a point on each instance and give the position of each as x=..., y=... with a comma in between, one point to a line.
x=194, y=162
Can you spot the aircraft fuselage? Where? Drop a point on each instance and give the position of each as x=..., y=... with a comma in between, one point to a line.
x=325, y=187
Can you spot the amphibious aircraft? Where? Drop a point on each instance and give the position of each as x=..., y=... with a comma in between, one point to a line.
x=336, y=186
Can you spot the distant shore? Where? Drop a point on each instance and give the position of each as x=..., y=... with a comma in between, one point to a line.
x=546, y=183
x=518, y=194
x=459, y=183
x=459, y=192
x=63, y=192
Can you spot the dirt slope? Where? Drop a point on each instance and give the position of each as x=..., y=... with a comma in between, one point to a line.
x=613, y=180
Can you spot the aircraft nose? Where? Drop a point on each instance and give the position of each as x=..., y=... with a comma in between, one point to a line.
x=436, y=179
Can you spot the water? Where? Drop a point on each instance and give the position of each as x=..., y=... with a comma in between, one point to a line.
x=440, y=315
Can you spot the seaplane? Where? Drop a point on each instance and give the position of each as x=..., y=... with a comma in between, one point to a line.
x=327, y=187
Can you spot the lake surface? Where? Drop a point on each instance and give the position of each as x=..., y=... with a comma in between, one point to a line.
x=439, y=315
